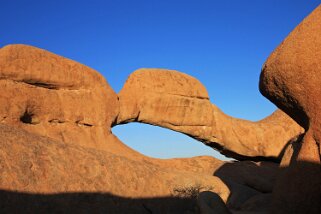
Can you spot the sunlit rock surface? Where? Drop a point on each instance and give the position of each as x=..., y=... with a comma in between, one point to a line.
x=291, y=78
x=58, y=154
x=177, y=101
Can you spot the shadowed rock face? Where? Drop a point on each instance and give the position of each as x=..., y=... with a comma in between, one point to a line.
x=177, y=101
x=291, y=78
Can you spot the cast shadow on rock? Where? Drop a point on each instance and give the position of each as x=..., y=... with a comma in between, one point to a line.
x=85, y=202
x=267, y=187
x=298, y=187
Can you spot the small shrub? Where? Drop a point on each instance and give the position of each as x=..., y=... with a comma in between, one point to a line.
x=191, y=191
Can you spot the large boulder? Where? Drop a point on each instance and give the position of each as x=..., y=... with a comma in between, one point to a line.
x=55, y=97
x=177, y=101
x=291, y=78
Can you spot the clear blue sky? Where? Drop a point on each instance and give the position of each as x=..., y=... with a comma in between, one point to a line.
x=221, y=43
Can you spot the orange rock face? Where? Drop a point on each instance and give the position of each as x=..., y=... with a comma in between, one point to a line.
x=177, y=101
x=38, y=165
x=57, y=149
x=291, y=79
x=55, y=97
x=56, y=118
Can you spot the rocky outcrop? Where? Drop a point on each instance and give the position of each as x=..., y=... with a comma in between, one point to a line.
x=55, y=97
x=291, y=78
x=38, y=165
x=177, y=101
x=45, y=168
x=58, y=98
x=57, y=149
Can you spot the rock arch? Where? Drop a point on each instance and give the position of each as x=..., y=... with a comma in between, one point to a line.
x=177, y=101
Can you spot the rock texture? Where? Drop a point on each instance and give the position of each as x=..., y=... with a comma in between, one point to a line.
x=56, y=97
x=33, y=164
x=177, y=101
x=57, y=152
x=291, y=78
x=45, y=168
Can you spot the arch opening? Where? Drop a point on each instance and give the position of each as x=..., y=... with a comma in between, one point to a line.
x=158, y=142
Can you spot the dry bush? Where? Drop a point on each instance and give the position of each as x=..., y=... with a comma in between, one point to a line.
x=191, y=191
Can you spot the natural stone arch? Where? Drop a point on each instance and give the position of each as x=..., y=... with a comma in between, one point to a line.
x=177, y=101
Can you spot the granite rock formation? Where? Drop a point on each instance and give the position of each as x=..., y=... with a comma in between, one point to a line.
x=56, y=141
x=291, y=78
x=56, y=97
x=177, y=101
x=58, y=153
